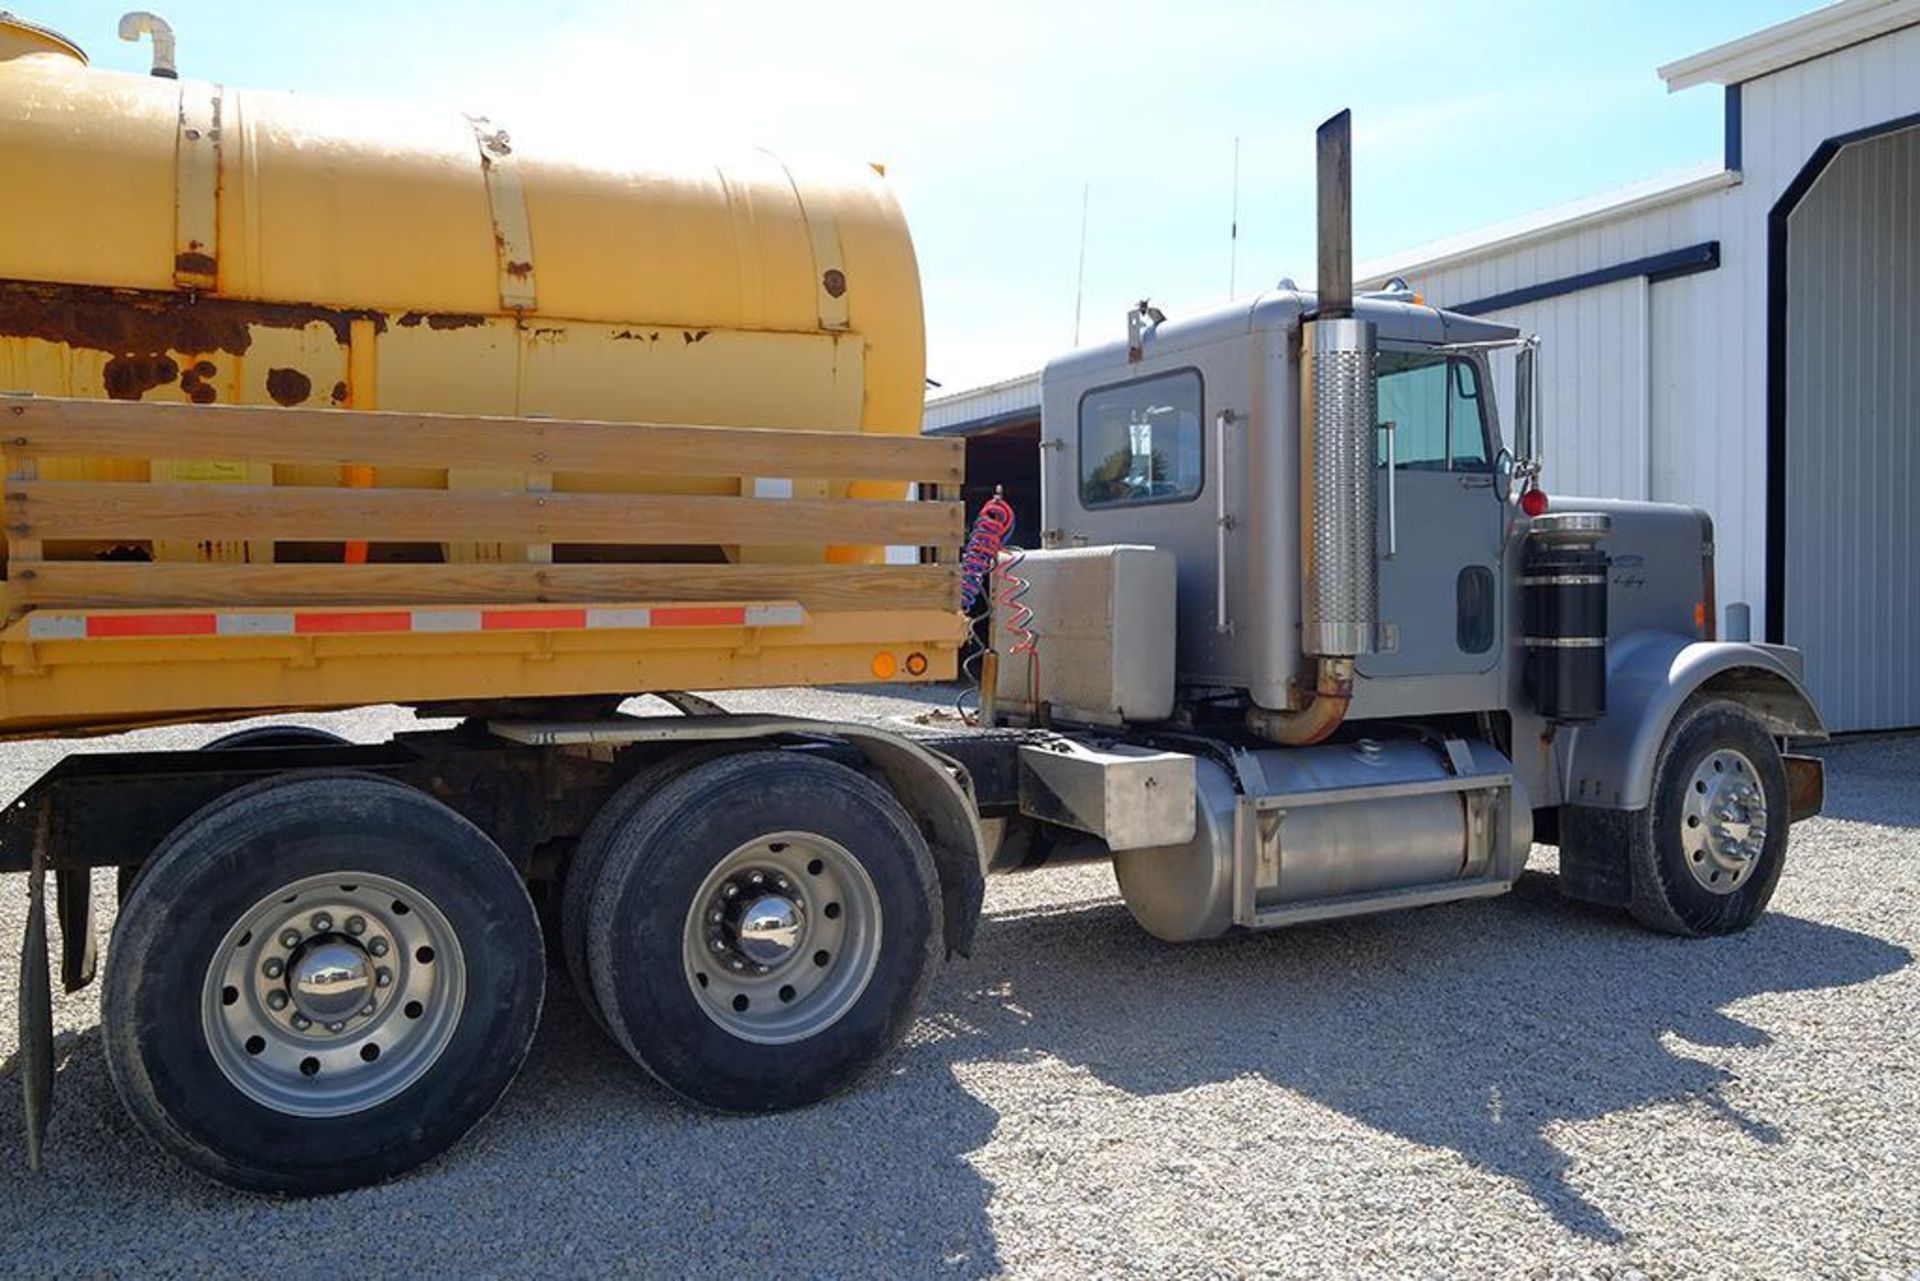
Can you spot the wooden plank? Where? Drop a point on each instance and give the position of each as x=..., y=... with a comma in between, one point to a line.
x=107, y=510
x=47, y=426
x=818, y=588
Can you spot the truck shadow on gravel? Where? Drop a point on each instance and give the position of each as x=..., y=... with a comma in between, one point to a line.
x=1471, y=1028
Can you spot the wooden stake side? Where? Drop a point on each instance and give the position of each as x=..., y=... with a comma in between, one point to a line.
x=40, y=427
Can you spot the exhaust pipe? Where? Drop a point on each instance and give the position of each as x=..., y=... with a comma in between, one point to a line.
x=1339, y=594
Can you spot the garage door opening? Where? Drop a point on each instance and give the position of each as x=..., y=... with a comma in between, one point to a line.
x=1844, y=418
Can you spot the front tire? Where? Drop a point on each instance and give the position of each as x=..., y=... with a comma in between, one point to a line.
x=319, y=984
x=1706, y=855
x=763, y=929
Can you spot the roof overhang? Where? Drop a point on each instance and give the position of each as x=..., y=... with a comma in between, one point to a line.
x=1825, y=30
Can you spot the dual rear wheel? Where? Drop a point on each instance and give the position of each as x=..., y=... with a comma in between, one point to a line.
x=320, y=982
x=757, y=930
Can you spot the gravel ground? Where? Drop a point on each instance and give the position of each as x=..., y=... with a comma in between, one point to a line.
x=1512, y=1087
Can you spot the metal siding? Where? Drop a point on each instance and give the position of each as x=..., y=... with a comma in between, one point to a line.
x=1853, y=269
x=1705, y=336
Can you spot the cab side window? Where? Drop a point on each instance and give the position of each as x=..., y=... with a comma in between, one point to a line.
x=1140, y=442
x=1435, y=406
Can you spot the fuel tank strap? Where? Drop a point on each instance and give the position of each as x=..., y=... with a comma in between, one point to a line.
x=196, y=234
x=507, y=202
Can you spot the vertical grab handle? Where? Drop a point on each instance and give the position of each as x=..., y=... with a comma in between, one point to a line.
x=1393, y=484
x=1223, y=522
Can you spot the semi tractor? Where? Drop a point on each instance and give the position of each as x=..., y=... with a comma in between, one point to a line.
x=311, y=405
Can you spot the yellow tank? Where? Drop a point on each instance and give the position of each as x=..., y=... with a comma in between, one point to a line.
x=178, y=240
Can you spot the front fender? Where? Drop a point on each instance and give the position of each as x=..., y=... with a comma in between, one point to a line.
x=1609, y=764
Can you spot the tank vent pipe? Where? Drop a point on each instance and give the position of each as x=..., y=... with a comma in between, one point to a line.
x=141, y=23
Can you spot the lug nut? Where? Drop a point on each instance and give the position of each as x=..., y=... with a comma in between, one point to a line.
x=290, y=938
x=382, y=977
x=273, y=968
x=737, y=966
x=301, y=1022
x=757, y=878
x=276, y=1000
x=356, y=925
x=378, y=947
x=367, y=1008
x=719, y=946
x=321, y=922
x=336, y=1027
x=731, y=891
x=783, y=885
x=715, y=916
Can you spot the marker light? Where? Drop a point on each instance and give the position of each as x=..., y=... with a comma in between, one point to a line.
x=1534, y=502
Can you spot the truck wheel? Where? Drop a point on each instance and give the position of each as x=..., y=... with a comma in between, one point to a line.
x=590, y=856
x=763, y=930
x=320, y=984
x=1706, y=855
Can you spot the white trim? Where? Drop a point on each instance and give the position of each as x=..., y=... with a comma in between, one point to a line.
x=1824, y=31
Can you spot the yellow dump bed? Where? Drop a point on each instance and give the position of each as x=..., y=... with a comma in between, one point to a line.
x=396, y=385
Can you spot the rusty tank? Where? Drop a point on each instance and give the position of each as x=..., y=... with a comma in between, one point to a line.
x=273, y=257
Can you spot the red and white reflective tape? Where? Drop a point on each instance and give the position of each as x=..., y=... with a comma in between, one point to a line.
x=65, y=625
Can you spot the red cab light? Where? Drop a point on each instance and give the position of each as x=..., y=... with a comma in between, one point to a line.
x=1534, y=502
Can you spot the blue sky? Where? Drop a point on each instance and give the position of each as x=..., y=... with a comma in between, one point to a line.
x=992, y=115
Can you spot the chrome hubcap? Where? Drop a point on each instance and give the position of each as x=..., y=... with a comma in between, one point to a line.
x=333, y=994
x=782, y=938
x=332, y=979
x=1723, y=821
x=770, y=929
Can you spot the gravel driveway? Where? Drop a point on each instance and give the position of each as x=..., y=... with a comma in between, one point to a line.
x=1513, y=1086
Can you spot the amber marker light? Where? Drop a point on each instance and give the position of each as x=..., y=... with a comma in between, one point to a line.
x=916, y=664
x=884, y=666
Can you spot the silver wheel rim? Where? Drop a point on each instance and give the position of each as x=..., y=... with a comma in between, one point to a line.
x=1723, y=821
x=782, y=938
x=333, y=994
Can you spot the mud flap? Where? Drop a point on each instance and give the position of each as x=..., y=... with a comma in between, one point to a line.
x=36, y=1015
x=73, y=901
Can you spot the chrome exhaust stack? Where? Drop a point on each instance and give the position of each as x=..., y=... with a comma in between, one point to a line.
x=1339, y=589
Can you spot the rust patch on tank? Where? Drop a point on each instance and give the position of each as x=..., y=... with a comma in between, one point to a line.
x=834, y=282
x=131, y=377
x=194, y=263
x=441, y=320
x=141, y=322
x=519, y=270
x=194, y=383
x=339, y=393
x=288, y=386
x=694, y=336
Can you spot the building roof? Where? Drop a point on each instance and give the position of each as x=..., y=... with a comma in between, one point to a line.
x=1824, y=31
x=978, y=409
x=1542, y=224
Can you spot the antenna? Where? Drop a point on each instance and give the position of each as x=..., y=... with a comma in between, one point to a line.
x=1233, y=228
x=1080, y=282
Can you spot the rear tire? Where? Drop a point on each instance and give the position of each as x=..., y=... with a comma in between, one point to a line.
x=1706, y=855
x=398, y=926
x=590, y=856
x=763, y=930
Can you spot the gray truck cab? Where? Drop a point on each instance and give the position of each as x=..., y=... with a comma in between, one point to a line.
x=1291, y=546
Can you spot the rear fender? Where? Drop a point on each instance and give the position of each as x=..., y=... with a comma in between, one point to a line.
x=1609, y=764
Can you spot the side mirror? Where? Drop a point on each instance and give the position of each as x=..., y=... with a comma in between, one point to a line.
x=1528, y=435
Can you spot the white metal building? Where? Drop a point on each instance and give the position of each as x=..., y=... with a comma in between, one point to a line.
x=1744, y=337
x=1747, y=339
